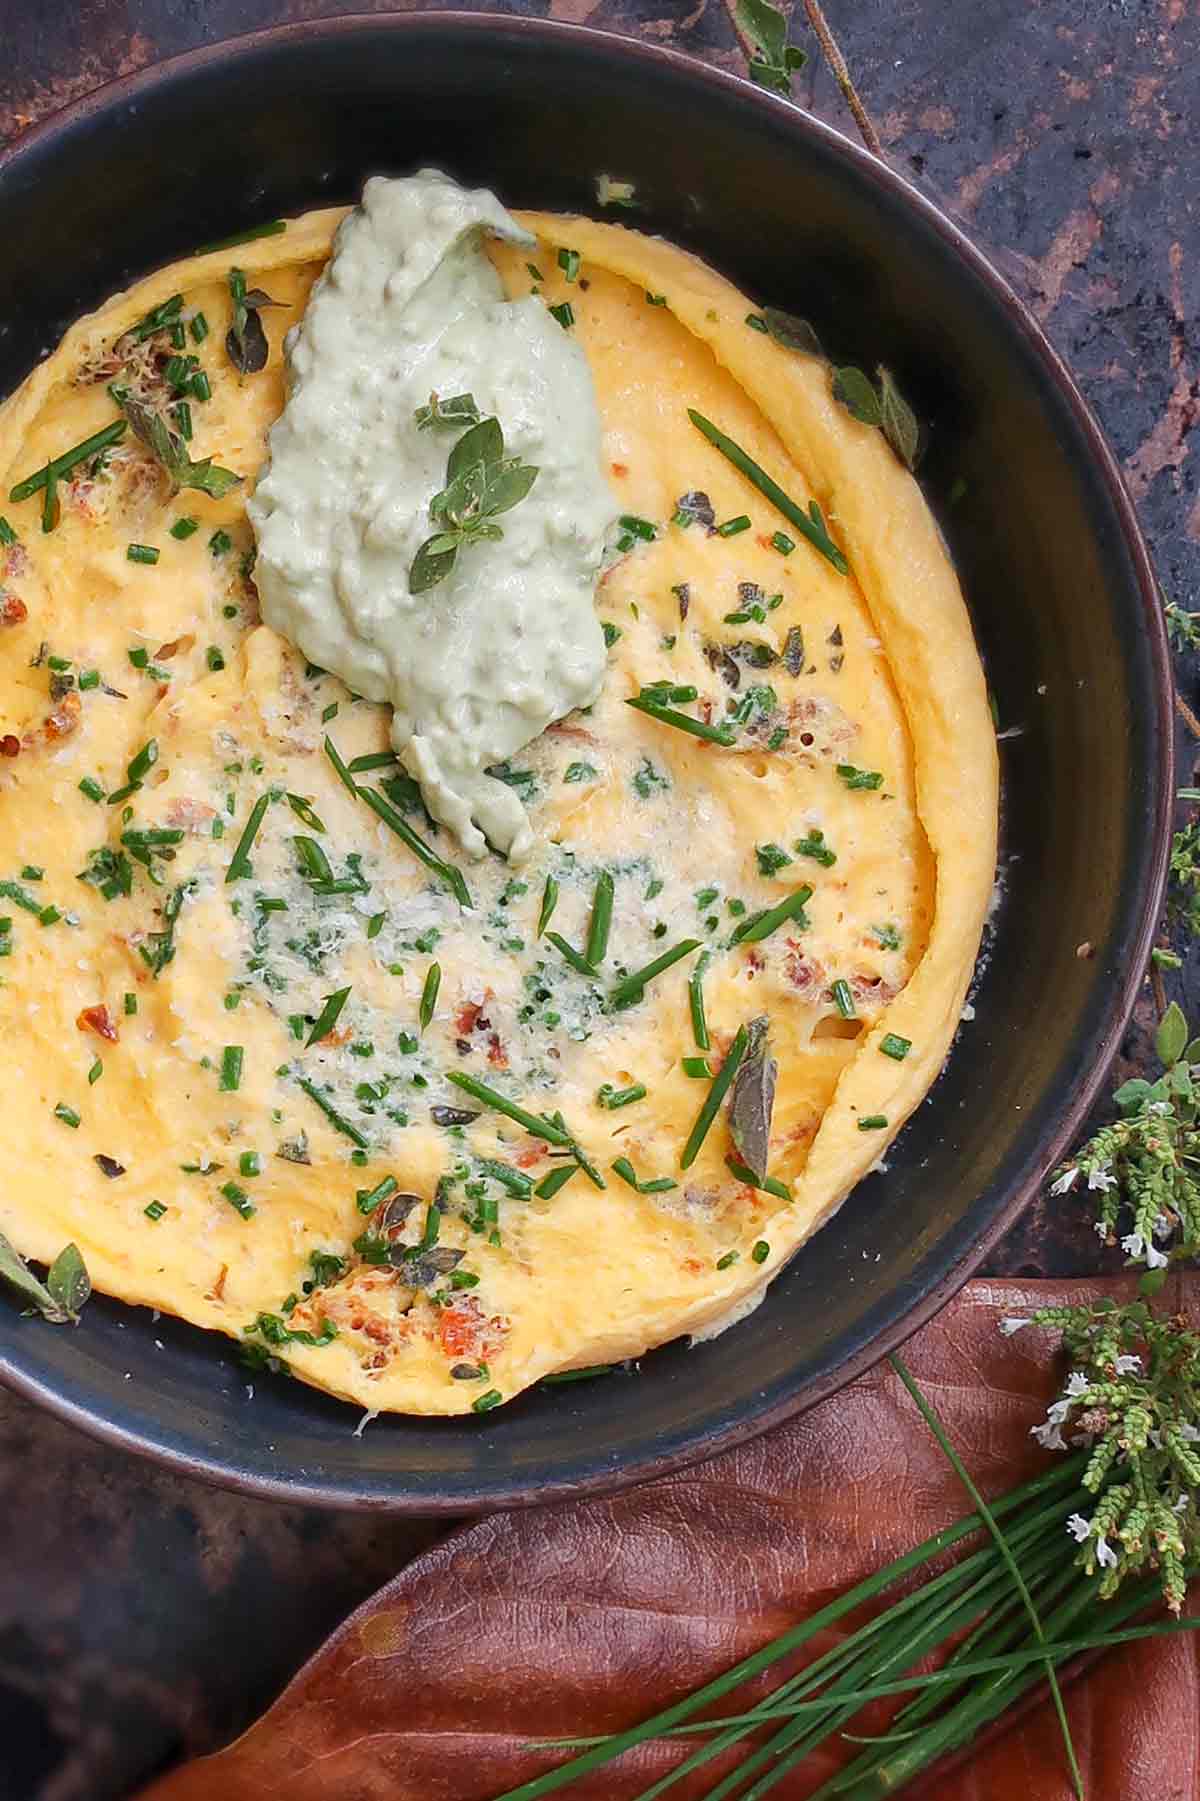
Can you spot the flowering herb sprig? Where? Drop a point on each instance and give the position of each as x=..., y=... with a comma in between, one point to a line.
x=1144, y=1168
x=1132, y=1399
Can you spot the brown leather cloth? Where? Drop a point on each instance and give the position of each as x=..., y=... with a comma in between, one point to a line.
x=584, y=1618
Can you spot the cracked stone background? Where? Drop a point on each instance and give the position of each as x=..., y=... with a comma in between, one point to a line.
x=143, y=1617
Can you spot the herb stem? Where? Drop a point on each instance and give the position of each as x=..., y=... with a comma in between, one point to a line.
x=601, y=921
x=713, y=1099
x=239, y=864
x=629, y=990
x=810, y=525
x=760, y=925
x=53, y=471
x=500, y=1103
x=396, y=822
x=683, y=722
x=336, y=1119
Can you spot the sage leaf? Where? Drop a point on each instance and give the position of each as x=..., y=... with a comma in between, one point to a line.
x=857, y=395
x=432, y=564
x=483, y=443
x=792, y=332
x=16, y=1272
x=170, y=450
x=898, y=421
x=773, y=61
x=247, y=349
x=752, y=1100
x=1170, y=1040
x=69, y=1282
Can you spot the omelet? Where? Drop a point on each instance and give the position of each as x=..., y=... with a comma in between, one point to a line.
x=275, y=1056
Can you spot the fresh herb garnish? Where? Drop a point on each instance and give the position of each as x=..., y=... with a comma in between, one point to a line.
x=429, y=994
x=240, y=866
x=714, y=1098
x=550, y=1184
x=337, y=1120
x=649, y=701
x=752, y=1100
x=549, y=902
x=810, y=524
x=601, y=920
x=50, y=474
x=570, y=955
x=481, y=484
x=533, y=1123
x=452, y=877
x=170, y=449
x=61, y=1296
x=656, y=1185
x=568, y=262
x=768, y=1185
x=564, y=312
x=771, y=858
x=613, y=1098
x=452, y=414
x=892, y=1045
x=757, y=926
x=158, y=948
x=884, y=407
x=327, y=1018
x=772, y=60
x=246, y=342
x=141, y=553
x=860, y=778
x=631, y=988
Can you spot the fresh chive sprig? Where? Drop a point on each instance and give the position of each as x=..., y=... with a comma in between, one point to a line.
x=810, y=524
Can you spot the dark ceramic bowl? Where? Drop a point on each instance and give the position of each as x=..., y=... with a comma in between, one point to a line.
x=1060, y=589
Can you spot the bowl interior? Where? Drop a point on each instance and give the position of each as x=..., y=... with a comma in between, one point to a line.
x=1057, y=586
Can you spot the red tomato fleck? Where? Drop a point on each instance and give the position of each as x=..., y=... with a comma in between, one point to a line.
x=12, y=609
x=10, y=746
x=98, y=1020
x=620, y=468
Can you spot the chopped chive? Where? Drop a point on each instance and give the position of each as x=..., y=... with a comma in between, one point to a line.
x=760, y=925
x=535, y=272
x=696, y=1005
x=657, y=1185
x=727, y=1260
x=629, y=991
x=144, y=761
x=215, y=658
x=315, y=865
x=859, y=778
x=158, y=318
x=329, y=712
x=183, y=419
x=429, y=993
x=154, y=1211
x=343, y=774
x=304, y=812
x=139, y=656
x=892, y=1045
x=810, y=524
x=32, y=872
x=564, y=312
x=231, y=1069
x=697, y=728
x=88, y=679
x=769, y=1184
x=250, y=1164
x=637, y=527
x=568, y=262
x=52, y=472
x=486, y=1402
x=131, y=1005
x=549, y=1185
x=549, y=902
x=655, y=299
x=49, y=916
x=843, y=999
x=376, y=924
x=756, y=322
x=331, y=1008
x=499, y=1103
x=240, y=865
x=201, y=387
x=697, y=1068
x=68, y=1115
x=141, y=553
x=761, y=1251
x=374, y=759
x=331, y=1113
x=220, y=542
x=452, y=877
x=199, y=328
x=238, y=1199
x=730, y=528
x=579, y=1375
x=713, y=1099
x=7, y=534
x=601, y=921
x=368, y=1199
x=95, y=1073
x=513, y=1181
x=872, y=1122
x=612, y=1098
x=271, y=230
x=21, y=897
x=570, y=954
x=782, y=543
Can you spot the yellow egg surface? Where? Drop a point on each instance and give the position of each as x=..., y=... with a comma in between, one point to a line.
x=231, y=995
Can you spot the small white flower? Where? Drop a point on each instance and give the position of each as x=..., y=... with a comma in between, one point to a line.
x=1066, y=1180
x=1079, y=1528
x=1127, y=1364
x=1155, y=1259
x=1106, y=1557
x=1048, y=1436
x=1013, y=1322
x=1190, y=1434
x=1159, y=1107
x=1057, y=1412
x=1077, y=1384
x=1133, y=1244
x=1181, y=1504
x=1100, y=1178
x=1099, y=1228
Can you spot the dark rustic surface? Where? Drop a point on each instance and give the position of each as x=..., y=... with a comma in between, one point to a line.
x=142, y=1616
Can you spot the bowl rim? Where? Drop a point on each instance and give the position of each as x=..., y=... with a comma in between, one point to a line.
x=896, y=189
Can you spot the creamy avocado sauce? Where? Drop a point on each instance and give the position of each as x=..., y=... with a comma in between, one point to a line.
x=410, y=307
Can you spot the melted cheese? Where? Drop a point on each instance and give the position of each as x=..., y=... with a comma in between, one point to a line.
x=890, y=682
